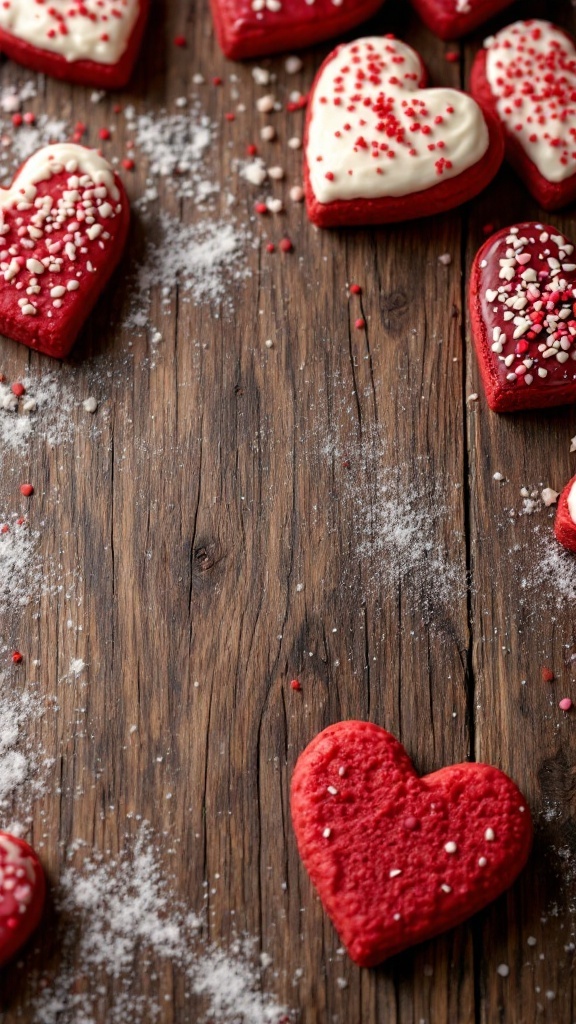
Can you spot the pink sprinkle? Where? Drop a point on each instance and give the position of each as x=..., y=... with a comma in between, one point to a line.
x=565, y=704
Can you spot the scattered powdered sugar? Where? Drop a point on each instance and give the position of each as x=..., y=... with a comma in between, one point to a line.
x=201, y=260
x=46, y=409
x=176, y=146
x=21, y=760
x=551, y=569
x=119, y=913
x=20, y=567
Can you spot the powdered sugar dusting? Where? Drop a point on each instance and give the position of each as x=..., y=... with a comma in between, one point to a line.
x=119, y=914
x=20, y=568
x=21, y=760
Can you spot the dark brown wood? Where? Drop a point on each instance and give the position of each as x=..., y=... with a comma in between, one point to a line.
x=228, y=475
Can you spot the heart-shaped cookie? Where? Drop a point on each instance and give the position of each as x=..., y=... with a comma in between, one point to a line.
x=94, y=42
x=526, y=75
x=451, y=19
x=22, y=892
x=379, y=147
x=523, y=313
x=565, y=521
x=397, y=858
x=255, y=28
x=63, y=226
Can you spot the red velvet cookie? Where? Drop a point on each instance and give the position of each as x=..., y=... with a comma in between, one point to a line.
x=523, y=313
x=255, y=28
x=94, y=42
x=22, y=892
x=379, y=147
x=451, y=19
x=63, y=226
x=526, y=75
x=565, y=521
x=396, y=858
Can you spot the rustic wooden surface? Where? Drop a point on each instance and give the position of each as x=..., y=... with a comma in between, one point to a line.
x=228, y=474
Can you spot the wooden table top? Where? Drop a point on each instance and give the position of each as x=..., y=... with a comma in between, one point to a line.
x=236, y=515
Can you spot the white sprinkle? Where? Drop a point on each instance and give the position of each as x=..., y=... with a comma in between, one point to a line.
x=261, y=76
x=473, y=397
x=489, y=835
x=269, y=343
x=295, y=142
x=265, y=104
x=445, y=259
x=450, y=847
x=332, y=790
x=549, y=497
x=268, y=132
x=503, y=970
x=531, y=940
x=296, y=194
x=445, y=887
x=90, y=404
x=497, y=476
x=395, y=872
x=482, y=862
x=293, y=65
x=327, y=833
x=276, y=173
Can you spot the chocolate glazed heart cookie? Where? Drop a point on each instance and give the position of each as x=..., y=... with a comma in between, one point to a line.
x=63, y=226
x=523, y=314
x=396, y=858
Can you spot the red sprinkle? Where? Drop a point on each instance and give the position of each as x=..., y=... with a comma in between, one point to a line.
x=487, y=229
x=270, y=247
x=128, y=164
x=18, y=390
x=565, y=704
x=17, y=120
x=359, y=324
x=17, y=657
x=286, y=245
x=547, y=675
x=261, y=208
x=179, y=40
x=29, y=118
x=216, y=80
x=5, y=528
x=251, y=150
x=452, y=56
x=295, y=685
x=104, y=133
x=355, y=289
x=27, y=490
x=230, y=117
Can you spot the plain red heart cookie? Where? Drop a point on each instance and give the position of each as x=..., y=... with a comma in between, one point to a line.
x=526, y=75
x=93, y=42
x=255, y=28
x=451, y=19
x=523, y=313
x=379, y=147
x=22, y=892
x=396, y=858
x=565, y=521
x=63, y=226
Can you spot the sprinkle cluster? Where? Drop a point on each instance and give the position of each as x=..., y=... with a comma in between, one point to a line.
x=63, y=15
x=16, y=888
x=45, y=241
x=532, y=70
x=531, y=310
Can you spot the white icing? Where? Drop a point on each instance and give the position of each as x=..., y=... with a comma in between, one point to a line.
x=531, y=70
x=97, y=30
x=392, y=72
x=572, y=502
x=52, y=160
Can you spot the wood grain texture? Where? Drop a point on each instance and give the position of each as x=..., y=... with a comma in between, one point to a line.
x=223, y=478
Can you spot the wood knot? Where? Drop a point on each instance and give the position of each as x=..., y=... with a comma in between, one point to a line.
x=394, y=308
